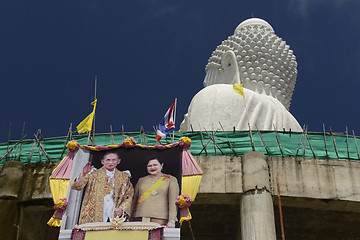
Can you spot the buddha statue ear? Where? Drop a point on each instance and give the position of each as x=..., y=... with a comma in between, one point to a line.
x=230, y=68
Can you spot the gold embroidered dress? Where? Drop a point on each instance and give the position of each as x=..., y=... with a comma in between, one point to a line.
x=97, y=188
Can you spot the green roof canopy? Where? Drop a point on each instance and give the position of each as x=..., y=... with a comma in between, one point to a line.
x=211, y=143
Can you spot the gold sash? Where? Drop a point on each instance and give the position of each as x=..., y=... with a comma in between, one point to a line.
x=153, y=187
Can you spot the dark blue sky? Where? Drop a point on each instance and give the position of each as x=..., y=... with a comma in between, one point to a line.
x=146, y=53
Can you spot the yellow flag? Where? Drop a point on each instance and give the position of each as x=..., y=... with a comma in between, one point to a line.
x=86, y=124
x=239, y=89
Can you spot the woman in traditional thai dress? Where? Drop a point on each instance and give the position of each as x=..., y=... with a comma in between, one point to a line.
x=155, y=196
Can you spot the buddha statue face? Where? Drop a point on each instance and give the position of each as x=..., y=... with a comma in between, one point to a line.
x=257, y=58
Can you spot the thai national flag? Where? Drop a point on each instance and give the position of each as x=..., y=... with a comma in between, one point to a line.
x=167, y=124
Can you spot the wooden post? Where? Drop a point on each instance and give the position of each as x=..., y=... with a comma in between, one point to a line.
x=262, y=140
x=327, y=156
x=32, y=150
x=305, y=142
x=212, y=138
x=70, y=131
x=228, y=140
x=93, y=131
x=347, y=142
x=280, y=210
x=111, y=135
x=334, y=142
x=191, y=231
x=312, y=150
x=141, y=134
x=41, y=148
x=66, y=140
x=278, y=141
x=251, y=138
x=357, y=151
x=22, y=136
x=123, y=134
x=10, y=150
x=202, y=142
x=7, y=158
x=299, y=144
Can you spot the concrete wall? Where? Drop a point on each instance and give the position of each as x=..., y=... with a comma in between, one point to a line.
x=320, y=198
x=335, y=182
x=25, y=201
x=298, y=177
x=221, y=175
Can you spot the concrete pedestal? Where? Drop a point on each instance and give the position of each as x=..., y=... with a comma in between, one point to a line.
x=11, y=179
x=256, y=206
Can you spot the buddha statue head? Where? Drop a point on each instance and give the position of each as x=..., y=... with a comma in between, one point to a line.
x=257, y=58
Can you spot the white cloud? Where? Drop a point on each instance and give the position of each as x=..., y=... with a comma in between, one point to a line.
x=160, y=8
x=304, y=7
x=165, y=11
x=301, y=6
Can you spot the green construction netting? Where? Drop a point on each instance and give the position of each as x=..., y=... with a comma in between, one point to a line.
x=310, y=145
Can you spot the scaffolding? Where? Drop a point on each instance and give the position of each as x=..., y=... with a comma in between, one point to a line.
x=203, y=143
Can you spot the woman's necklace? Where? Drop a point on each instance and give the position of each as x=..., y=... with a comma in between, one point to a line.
x=154, y=192
x=154, y=180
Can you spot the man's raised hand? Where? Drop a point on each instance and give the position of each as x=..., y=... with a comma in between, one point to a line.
x=87, y=168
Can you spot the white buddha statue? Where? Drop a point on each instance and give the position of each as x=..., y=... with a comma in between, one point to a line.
x=255, y=57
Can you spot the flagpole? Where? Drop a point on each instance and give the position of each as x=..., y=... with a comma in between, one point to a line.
x=94, y=112
x=173, y=133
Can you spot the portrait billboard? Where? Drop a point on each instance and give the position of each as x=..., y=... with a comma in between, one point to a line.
x=135, y=160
